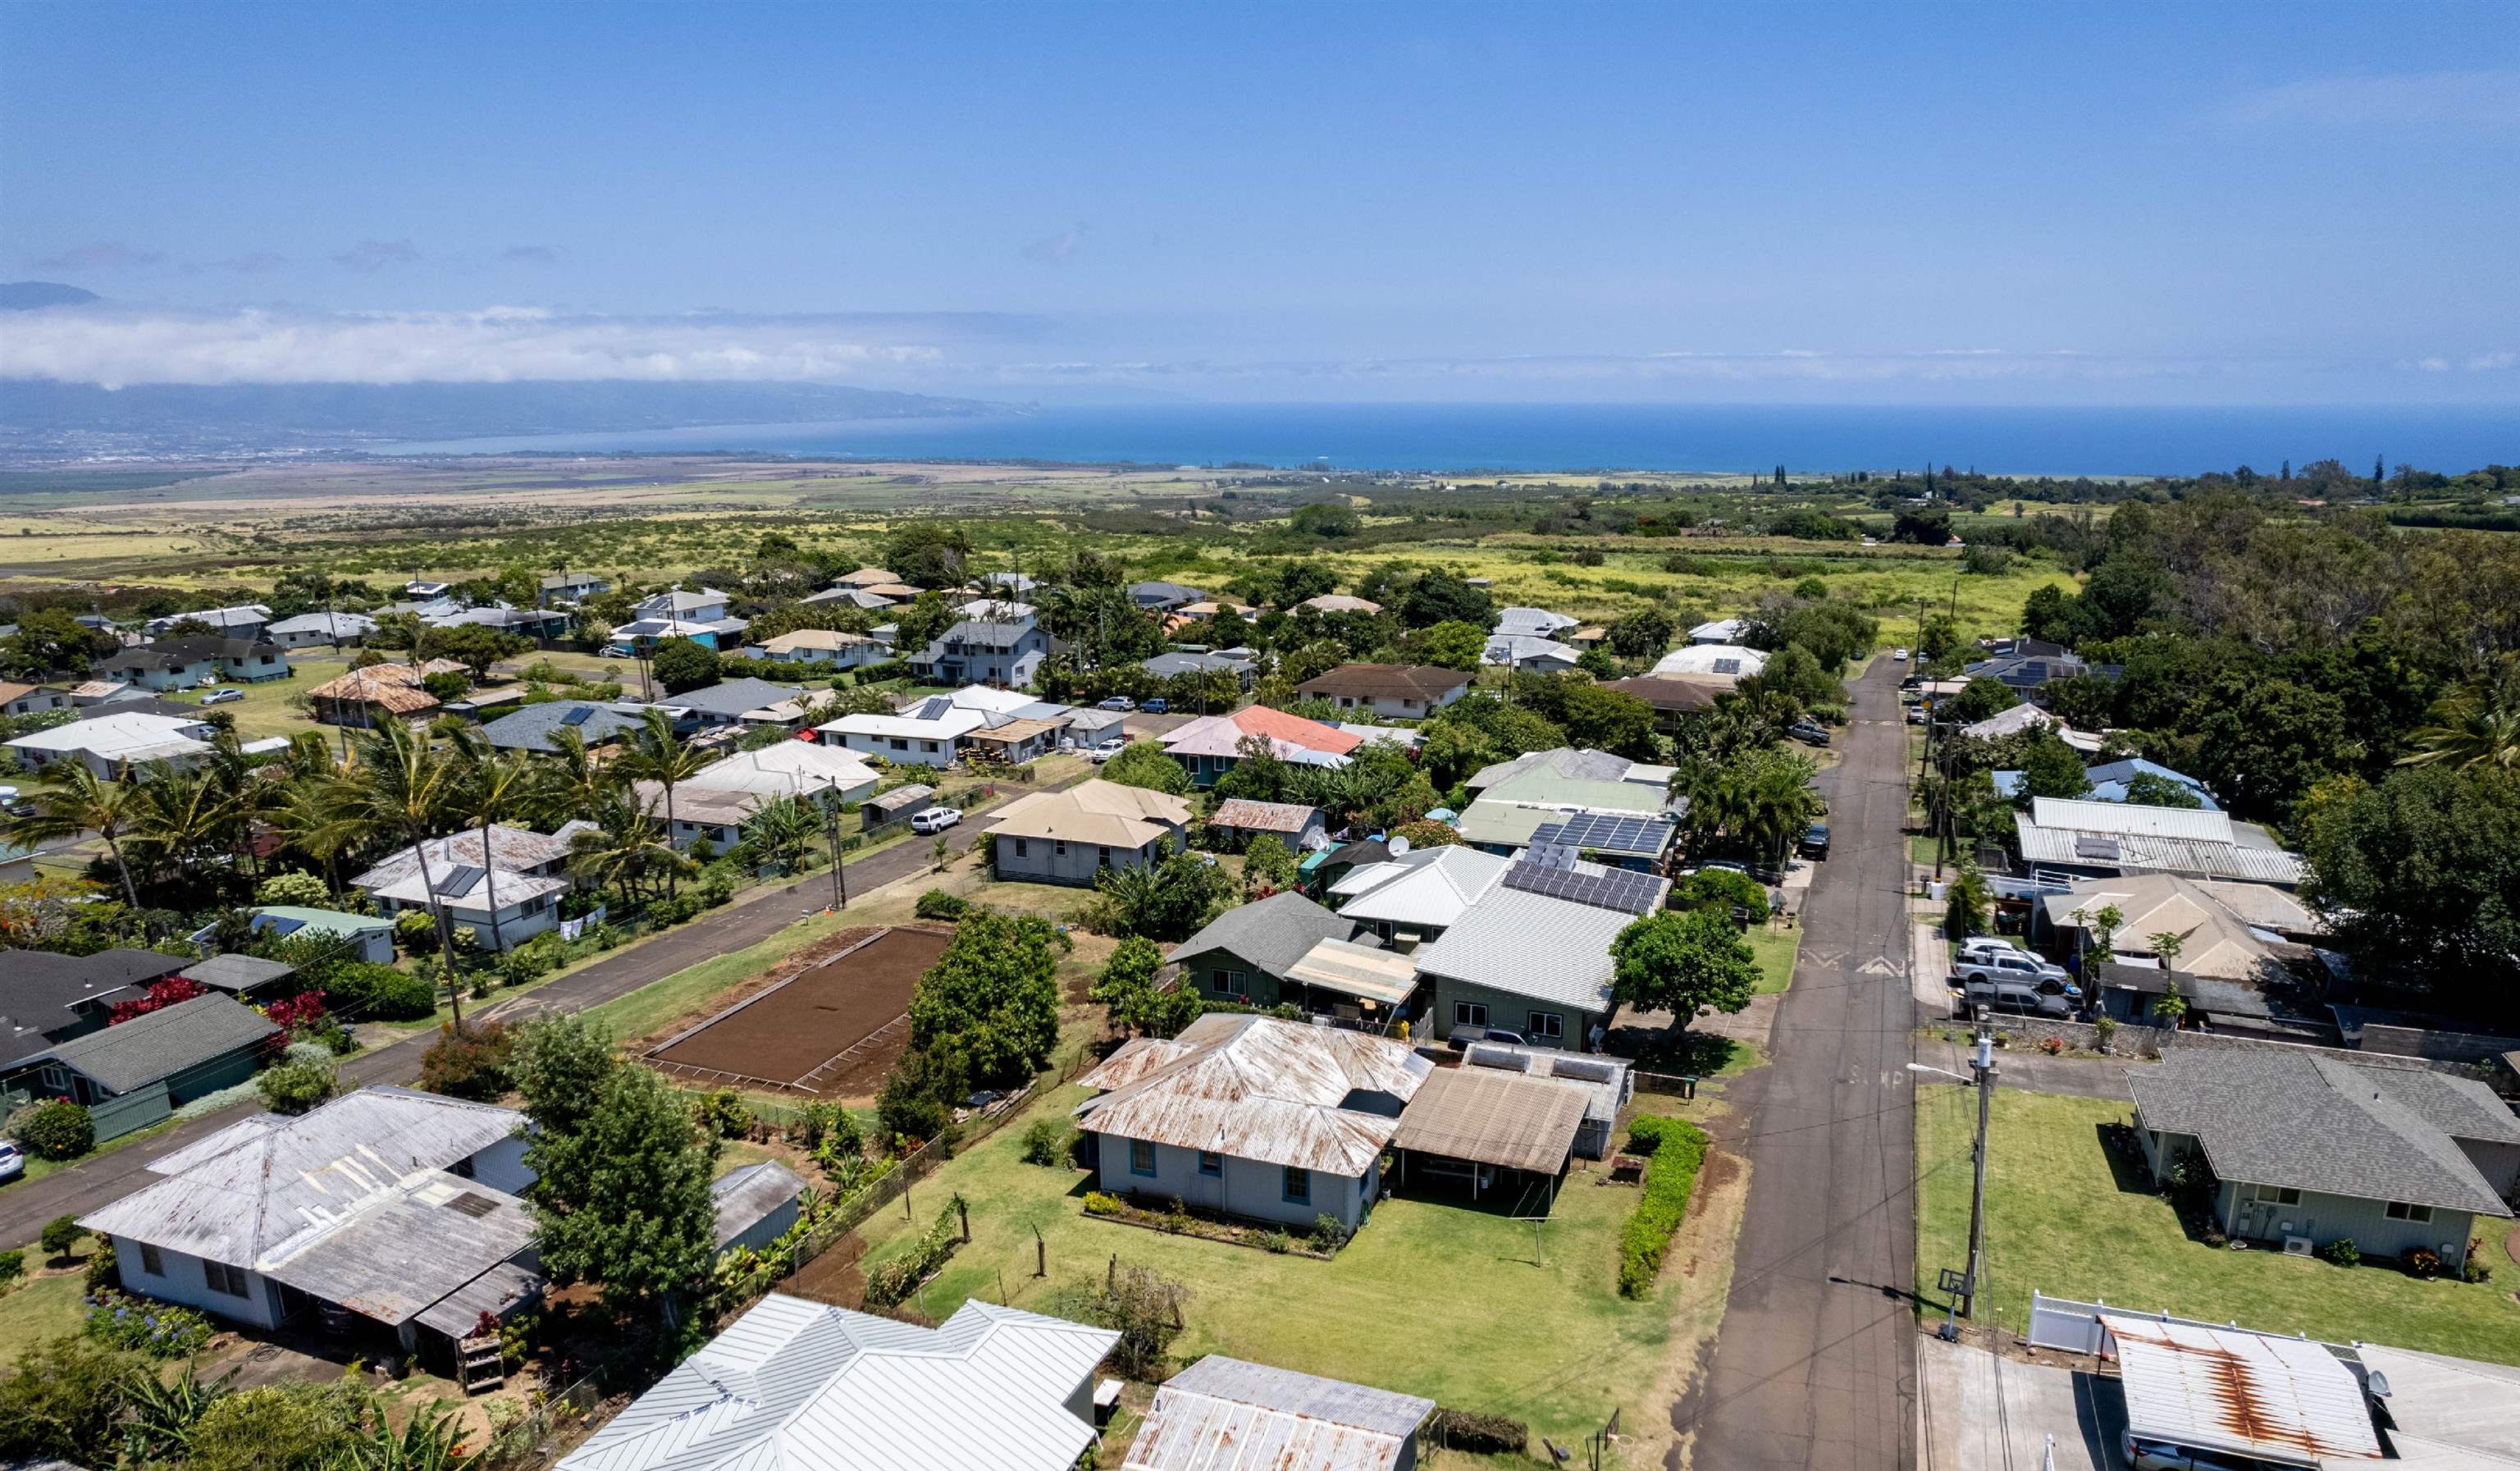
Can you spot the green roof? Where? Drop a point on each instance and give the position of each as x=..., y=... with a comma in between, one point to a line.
x=326, y=921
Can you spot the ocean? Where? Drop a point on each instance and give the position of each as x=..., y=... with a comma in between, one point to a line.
x=1610, y=438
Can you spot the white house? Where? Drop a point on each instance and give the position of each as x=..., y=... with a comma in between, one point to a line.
x=1530, y=652
x=715, y=805
x=939, y=729
x=1003, y=651
x=1712, y=662
x=311, y=629
x=522, y=875
x=1393, y=692
x=796, y=1384
x=1251, y=1116
x=1719, y=631
x=396, y=1205
x=571, y=587
x=1539, y=622
x=1071, y=836
x=822, y=646
x=112, y=743
x=1225, y=1412
x=242, y=621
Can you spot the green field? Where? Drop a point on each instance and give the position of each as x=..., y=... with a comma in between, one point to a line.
x=36, y=1309
x=2062, y=1220
x=1776, y=950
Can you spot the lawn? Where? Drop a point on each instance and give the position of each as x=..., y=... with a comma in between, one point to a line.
x=268, y=708
x=1776, y=950
x=38, y=1308
x=1430, y=1298
x=2060, y=1220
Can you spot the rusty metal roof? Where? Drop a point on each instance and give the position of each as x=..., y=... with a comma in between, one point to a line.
x=2283, y=1400
x=1225, y=1412
x=1493, y=1117
x=1259, y=1089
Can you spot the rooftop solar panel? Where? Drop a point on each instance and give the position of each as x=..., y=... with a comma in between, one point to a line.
x=1615, y=889
x=459, y=879
x=1727, y=666
x=1606, y=833
x=2095, y=847
x=579, y=715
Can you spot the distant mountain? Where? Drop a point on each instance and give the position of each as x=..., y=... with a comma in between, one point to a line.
x=27, y=295
x=180, y=417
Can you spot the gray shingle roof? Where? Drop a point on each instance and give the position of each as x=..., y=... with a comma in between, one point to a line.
x=530, y=728
x=1550, y=949
x=2314, y=1123
x=160, y=1043
x=1164, y=666
x=237, y=972
x=732, y=697
x=1273, y=934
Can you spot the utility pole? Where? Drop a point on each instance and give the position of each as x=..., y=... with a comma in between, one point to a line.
x=1982, y=1065
x=839, y=869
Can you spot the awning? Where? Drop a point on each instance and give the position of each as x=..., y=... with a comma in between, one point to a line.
x=498, y=1292
x=1492, y=1118
x=2281, y=1400
x=1379, y=976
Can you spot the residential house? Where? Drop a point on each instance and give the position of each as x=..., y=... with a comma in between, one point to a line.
x=1392, y=692
x=2028, y=717
x=1162, y=597
x=1504, y=817
x=1491, y=1133
x=867, y=577
x=1071, y=836
x=1190, y=614
x=1675, y=698
x=542, y=626
x=115, y=742
x=857, y=598
x=792, y=1383
x=640, y=636
x=708, y=606
x=532, y=728
x=136, y=1072
x=48, y=997
x=365, y=698
x=1252, y=1117
x=1172, y=665
x=896, y=805
x=240, y=975
x=1300, y=828
x=2030, y=673
x=182, y=663
x=1609, y=1085
x=88, y=692
x=242, y=621
x=1613, y=840
x=1008, y=582
x=1535, y=622
x=309, y=630
x=928, y=732
x=736, y=702
x=2235, y=931
x=387, y=1204
x=1563, y=761
x=756, y=1204
x=2108, y=782
x=522, y=872
x=2310, y=1148
x=1724, y=631
x=1412, y=897
x=2071, y=839
x=1533, y=955
x=984, y=652
x=1286, y=951
x=714, y=805
x=425, y=589
x=824, y=647
x=364, y=937
x=1095, y=730
x=18, y=700
x=570, y=587
x=1211, y=746
x=1531, y=653
x=1223, y=1412
x=1724, y=664
x=1322, y=870
x=1338, y=602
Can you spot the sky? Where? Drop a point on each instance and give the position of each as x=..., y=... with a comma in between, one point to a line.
x=1798, y=202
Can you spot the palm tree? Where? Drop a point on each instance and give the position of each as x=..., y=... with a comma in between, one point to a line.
x=71, y=800
x=657, y=754
x=180, y=820
x=406, y=787
x=495, y=785
x=2469, y=727
x=780, y=831
x=623, y=848
x=573, y=784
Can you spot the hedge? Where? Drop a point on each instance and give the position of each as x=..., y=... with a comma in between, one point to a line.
x=895, y=1280
x=1678, y=1149
x=1478, y=1434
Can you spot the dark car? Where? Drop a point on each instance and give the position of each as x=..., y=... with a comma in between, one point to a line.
x=1815, y=841
x=1808, y=733
x=2014, y=995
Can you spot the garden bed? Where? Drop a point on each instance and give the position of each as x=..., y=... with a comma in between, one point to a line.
x=1174, y=1219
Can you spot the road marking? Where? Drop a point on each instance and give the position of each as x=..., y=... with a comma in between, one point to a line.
x=1880, y=965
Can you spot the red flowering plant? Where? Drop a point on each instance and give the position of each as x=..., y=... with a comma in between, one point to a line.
x=299, y=1015
x=157, y=998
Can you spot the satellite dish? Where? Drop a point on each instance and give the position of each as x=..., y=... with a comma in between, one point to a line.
x=1398, y=846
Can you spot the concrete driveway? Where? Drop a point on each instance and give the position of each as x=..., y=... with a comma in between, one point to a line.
x=1983, y=1411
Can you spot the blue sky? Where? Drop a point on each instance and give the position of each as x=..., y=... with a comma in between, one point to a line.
x=2223, y=204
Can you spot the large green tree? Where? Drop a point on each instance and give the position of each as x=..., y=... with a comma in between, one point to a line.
x=683, y=664
x=992, y=996
x=621, y=1191
x=1683, y=961
x=2049, y=768
x=1143, y=763
x=2419, y=877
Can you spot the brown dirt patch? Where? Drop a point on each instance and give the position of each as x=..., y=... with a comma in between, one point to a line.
x=834, y=999
x=833, y=1276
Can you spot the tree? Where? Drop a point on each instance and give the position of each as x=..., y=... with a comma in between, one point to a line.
x=297, y=1084
x=59, y=1236
x=295, y=887
x=558, y=1063
x=992, y=995
x=1644, y=634
x=2419, y=877
x=1940, y=638
x=2260, y=743
x=1143, y=763
x=2085, y=701
x=1426, y=834
x=1603, y=720
x=654, y=753
x=2051, y=768
x=1929, y=526
x=403, y=788
x=1163, y=901
x=1966, y=904
x=62, y=1401
x=2474, y=725
x=1450, y=645
x=682, y=664
x=2153, y=789
x=927, y=554
x=1682, y=962
x=1267, y=867
x=1127, y=989
x=1444, y=596
x=476, y=646
x=1331, y=520
x=780, y=832
x=2166, y=944
x=51, y=640
x=1143, y=1308
x=70, y=800
x=1979, y=699
x=495, y=787
x=1792, y=671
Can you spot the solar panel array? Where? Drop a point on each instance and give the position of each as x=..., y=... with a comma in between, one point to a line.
x=579, y=716
x=2087, y=846
x=1727, y=666
x=1612, y=889
x=460, y=879
x=1606, y=833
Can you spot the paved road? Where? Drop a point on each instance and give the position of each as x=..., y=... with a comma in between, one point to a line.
x=25, y=1206
x=1814, y=1367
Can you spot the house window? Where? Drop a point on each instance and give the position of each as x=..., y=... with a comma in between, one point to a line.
x=1548, y=1024
x=1060, y=847
x=224, y=1278
x=1469, y=1013
x=1298, y=1187
x=1022, y=849
x=927, y=746
x=1230, y=983
x=2279, y=1194
x=2400, y=1209
x=1103, y=856
x=152, y=1263
x=1141, y=1158
x=1211, y=1164
x=900, y=744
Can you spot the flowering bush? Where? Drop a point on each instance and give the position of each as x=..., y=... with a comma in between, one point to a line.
x=160, y=1331
x=302, y=1014
x=2423, y=1263
x=55, y=1129
x=164, y=994
x=2053, y=1045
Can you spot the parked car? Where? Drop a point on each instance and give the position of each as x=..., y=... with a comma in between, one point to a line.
x=2021, y=968
x=1120, y=702
x=1098, y=754
x=1917, y=716
x=2014, y=995
x=1154, y=706
x=1809, y=733
x=12, y=1163
x=223, y=695
x=1463, y=1036
x=1985, y=947
x=934, y=819
x=1898, y=656
x=1815, y=841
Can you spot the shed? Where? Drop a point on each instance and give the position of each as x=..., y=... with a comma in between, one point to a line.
x=1605, y=1081
x=2286, y=1401
x=1227, y=1413
x=894, y=805
x=238, y=975
x=1468, y=1124
x=755, y=1205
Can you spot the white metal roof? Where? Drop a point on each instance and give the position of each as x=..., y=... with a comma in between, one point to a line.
x=793, y=1384
x=1427, y=888
x=1227, y=1415
x=2188, y=824
x=948, y=724
x=1731, y=660
x=122, y=735
x=2286, y=1399
x=1534, y=945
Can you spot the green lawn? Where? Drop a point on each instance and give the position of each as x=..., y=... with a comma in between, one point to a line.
x=1430, y=1298
x=2060, y=1220
x=37, y=1308
x=268, y=708
x=1776, y=950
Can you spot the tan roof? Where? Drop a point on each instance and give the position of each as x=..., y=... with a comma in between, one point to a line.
x=1260, y=1089
x=1011, y=733
x=1104, y=813
x=867, y=577
x=813, y=637
x=1340, y=602
x=1494, y=1117
x=898, y=591
x=1421, y=681
x=11, y=690
x=1670, y=691
x=1374, y=976
x=373, y=687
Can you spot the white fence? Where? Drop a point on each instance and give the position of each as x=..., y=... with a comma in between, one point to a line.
x=2072, y=1327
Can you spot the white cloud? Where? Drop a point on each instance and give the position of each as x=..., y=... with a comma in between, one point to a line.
x=2471, y=100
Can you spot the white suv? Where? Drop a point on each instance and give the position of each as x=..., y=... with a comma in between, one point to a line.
x=934, y=819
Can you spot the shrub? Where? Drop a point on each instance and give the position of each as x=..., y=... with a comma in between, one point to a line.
x=416, y=931
x=1680, y=1149
x=56, y=1129
x=303, y=889
x=1098, y=1203
x=1647, y=1131
x=528, y=962
x=160, y=1331
x=2054, y=1046
x=1275, y=1242
x=2104, y=1030
x=899, y=1277
x=722, y=1112
x=58, y=1236
x=1047, y=1141
x=102, y=1273
x=380, y=993
x=936, y=903
x=2474, y=1268
x=13, y=1266
x=470, y=1064
x=1329, y=1232
x=1478, y=1434
x=1722, y=888
x=2342, y=1251
x=299, y=1085
x=2423, y=1261
x=829, y=1125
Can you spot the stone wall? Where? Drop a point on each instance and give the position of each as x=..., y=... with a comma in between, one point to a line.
x=2153, y=1042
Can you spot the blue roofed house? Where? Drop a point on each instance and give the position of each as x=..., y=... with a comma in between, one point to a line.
x=2109, y=779
x=1001, y=651
x=701, y=617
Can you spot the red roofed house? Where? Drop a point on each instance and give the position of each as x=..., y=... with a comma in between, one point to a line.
x=1208, y=747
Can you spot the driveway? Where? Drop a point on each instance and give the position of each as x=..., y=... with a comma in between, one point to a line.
x=1814, y=1369
x=25, y=1206
x=1984, y=1411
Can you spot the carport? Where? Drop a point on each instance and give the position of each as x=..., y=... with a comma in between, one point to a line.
x=2225, y=1395
x=1480, y=1130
